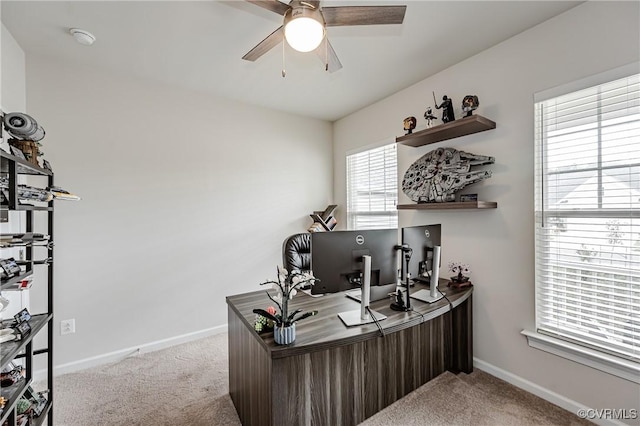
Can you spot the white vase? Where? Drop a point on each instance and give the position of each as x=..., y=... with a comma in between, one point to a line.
x=284, y=335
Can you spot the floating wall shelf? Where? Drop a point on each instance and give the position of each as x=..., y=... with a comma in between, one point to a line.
x=453, y=129
x=461, y=205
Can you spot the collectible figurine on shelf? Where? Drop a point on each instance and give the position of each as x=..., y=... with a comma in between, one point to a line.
x=469, y=104
x=409, y=124
x=428, y=115
x=447, y=108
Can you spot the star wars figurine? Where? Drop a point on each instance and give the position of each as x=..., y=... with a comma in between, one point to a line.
x=447, y=108
x=469, y=104
x=409, y=124
x=429, y=117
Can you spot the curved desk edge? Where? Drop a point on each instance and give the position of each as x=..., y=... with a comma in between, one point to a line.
x=326, y=330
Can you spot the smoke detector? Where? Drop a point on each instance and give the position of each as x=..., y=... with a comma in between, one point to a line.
x=83, y=37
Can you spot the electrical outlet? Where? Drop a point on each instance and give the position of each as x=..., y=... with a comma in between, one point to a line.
x=67, y=326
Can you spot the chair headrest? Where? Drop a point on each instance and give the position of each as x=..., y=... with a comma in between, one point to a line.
x=296, y=252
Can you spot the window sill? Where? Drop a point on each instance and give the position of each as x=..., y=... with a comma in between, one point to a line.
x=619, y=367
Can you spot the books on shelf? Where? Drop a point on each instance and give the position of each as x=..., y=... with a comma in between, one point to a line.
x=315, y=227
x=323, y=220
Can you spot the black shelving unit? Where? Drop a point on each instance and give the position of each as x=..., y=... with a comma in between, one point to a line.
x=13, y=281
x=11, y=167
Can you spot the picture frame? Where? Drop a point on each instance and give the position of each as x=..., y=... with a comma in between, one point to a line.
x=22, y=329
x=22, y=316
x=10, y=268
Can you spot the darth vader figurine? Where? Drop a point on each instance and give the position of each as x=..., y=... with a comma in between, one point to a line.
x=447, y=109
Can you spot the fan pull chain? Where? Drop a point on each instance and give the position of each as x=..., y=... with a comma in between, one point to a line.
x=326, y=53
x=284, y=72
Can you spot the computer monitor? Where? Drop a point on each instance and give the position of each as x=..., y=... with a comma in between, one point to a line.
x=336, y=258
x=421, y=239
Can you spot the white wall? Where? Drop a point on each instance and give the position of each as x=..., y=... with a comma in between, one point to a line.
x=12, y=73
x=586, y=40
x=186, y=199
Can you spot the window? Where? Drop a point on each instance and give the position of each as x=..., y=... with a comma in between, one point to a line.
x=587, y=226
x=372, y=188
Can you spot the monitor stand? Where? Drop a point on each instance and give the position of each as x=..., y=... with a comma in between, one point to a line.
x=426, y=296
x=433, y=295
x=362, y=316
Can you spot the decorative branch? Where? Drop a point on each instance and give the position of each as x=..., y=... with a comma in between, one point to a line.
x=287, y=286
x=274, y=301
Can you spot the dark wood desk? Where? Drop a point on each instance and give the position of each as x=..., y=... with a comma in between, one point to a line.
x=334, y=375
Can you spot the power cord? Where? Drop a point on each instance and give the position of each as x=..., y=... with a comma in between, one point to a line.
x=375, y=320
x=445, y=296
x=419, y=313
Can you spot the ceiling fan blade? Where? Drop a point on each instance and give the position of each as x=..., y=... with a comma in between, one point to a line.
x=363, y=15
x=265, y=45
x=313, y=3
x=272, y=5
x=328, y=56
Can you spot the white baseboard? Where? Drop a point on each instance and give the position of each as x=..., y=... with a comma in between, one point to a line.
x=118, y=355
x=537, y=390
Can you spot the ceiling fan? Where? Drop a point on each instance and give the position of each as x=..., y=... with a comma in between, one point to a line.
x=305, y=22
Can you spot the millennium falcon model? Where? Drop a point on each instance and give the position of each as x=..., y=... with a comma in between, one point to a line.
x=440, y=173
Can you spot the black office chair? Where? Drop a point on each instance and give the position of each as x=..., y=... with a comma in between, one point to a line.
x=296, y=252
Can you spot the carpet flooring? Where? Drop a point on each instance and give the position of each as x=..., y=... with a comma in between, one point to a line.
x=188, y=385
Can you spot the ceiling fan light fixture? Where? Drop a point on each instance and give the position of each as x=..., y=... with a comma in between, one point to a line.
x=303, y=29
x=82, y=36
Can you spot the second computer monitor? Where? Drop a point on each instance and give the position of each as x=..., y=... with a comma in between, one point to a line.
x=336, y=258
x=421, y=239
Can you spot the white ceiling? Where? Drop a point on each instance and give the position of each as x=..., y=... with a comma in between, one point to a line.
x=198, y=46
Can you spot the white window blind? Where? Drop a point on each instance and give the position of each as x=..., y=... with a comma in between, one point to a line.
x=372, y=188
x=588, y=217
